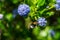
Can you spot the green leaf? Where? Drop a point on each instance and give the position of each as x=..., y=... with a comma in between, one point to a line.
x=9, y=16
x=36, y=31
x=50, y=13
x=40, y=3
x=28, y=22
x=57, y=35
x=58, y=19
x=52, y=1
x=6, y=34
x=29, y=2
x=34, y=1
x=15, y=1
x=2, y=26
x=41, y=12
x=28, y=38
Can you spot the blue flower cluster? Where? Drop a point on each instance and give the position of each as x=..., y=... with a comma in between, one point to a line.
x=14, y=13
x=1, y=16
x=57, y=5
x=51, y=33
x=58, y=2
x=23, y=10
x=41, y=21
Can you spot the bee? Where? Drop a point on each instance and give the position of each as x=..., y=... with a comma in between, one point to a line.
x=33, y=24
x=30, y=24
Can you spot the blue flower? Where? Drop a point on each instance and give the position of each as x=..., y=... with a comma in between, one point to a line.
x=51, y=33
x=41, y=21
x=1, y=16
x=57, y=6
x=58, y=2
x=15, y=13
x=23, y=10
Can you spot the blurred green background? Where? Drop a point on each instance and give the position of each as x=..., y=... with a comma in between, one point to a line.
x=19, y=28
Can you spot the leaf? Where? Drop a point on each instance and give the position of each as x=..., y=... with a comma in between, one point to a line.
x=40, y=3
x=34, y=2
x=41, y=12
x=28, y=38
x=58, y=19
x=36, y=31
x=15, y=1
x=29, y=2
x=2, y=26
x=52, y=1
x=6, y=34
x=28, y=22
x=50, y=13
x=8, y=16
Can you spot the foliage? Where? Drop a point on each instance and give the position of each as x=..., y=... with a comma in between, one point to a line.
x=16, y=27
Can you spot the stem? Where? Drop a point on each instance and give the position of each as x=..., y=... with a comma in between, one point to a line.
x=0, y=36
x=46, y=9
